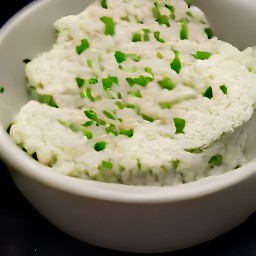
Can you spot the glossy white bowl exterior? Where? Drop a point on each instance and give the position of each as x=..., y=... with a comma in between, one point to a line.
x=126, y=218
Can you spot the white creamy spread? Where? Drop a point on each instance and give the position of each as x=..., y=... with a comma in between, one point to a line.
x=139, y=93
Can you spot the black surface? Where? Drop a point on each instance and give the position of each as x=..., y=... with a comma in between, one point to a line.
x=24, y=232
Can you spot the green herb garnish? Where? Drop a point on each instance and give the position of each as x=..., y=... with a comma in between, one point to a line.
x=106, y=164
x=176, y=64
x=194, y=150
x=1, y=89
x=92, y=80
x=109, y=25
x=111, y=128
x=99, y=146
x=167, y=83
x=158, y=38
x=209, y=33
x=202, y=55
x=109, y=115
x=146, y=36
x=128, y=133
x=93, y=116
x=135, y=94
x=120, y=57
x=216, y=160
x=184, y=29
x=208, y=93
x=84, y=45
x=104, y=4
x=109, y=81
x=224, y=89
x=136, y=37
x=80, y=82
x=175, y=164
x=163, y=20
x=172, y=10
x=134, y=57
x=179, y=124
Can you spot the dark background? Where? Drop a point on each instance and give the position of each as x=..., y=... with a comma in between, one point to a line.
x=24, y=232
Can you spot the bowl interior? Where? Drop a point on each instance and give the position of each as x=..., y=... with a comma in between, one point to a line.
x=30, y=32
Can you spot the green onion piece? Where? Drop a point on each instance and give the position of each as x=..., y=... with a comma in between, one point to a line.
x=158, y=38
x=163, y=20
x=208, y=93
x=135, y=94
x=89, y=63
x=89, y=95
x=172, y=10
x=156, y=10
x=92, y=80
x=80, y=82
x=150, y=71
x=135, y=57
x=224, y=89
x=111, y=128
x=179, y=124
x=26, y=61
x=84, y=45
x=159, y=55
x=109, y=81
x=104, y=4
x=167, y=83
x=130, y=81
x=92, y=115
x=176, y=64
x=146, y=36
x=128, y=133
x=165, y=105
x=209, y=33
x=194, y=150
x=120, y=57
x=109, y=115
x=184, y=29
x=45, y=99
x=175, y=164
x=202, y=55
x=88, y=123
x=141, y=80
x=77, y=128
x=1, y=89
x=216, y=160
x=109, y=25
x=188, y=2
x=99, y=146
x=147, y=118
x=136, y=37
x=106, y=164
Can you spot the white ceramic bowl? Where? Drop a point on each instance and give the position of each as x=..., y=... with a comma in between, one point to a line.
x=126, y=218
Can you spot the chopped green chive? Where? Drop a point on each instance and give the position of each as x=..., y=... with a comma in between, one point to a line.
x=163, y=20
x=88, y=123
x=172, y=10
x=209, y=33
x=111, y=128
x=159, y=55
x=167, y=83
x=175, y=164
x=188, y=2
x=109, y=25
x=93, y=116
x=89, y=95
x=176, y=64
x=216, y=160
x=89, y=63
x=146, y=36
x=128, y=133
x=184, y=29
x=224, y=89
x=194, y=150
x=165, y=105
x=80, y=82
x=99, y=146
x=46, y=99
x=135, y=94
x=158, y=38
x=179, y=124
x=120, y=57
x=92, y=80
x=156, y=10
x=109, y=81
x=202, y=55
x=106, y=164
x=147, y=118
x=109, y=115
x=135, y=57
x=208, y=93
x=136, y=37
x=77, y=128
x=84, y=45
x=1, y=89
x=104, y=4
x=140, y=80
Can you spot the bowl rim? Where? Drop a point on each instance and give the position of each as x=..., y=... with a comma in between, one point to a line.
x=30, y=168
